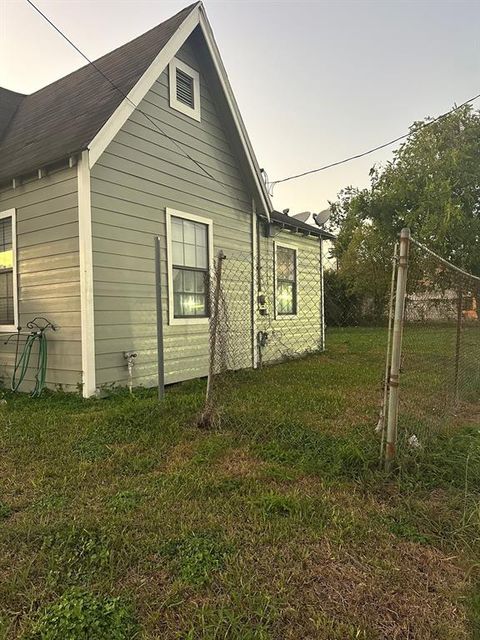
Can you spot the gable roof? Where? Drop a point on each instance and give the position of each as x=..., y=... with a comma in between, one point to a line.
x=295, y=224
x=85, y=111
x=64, y=117
x=9, y=101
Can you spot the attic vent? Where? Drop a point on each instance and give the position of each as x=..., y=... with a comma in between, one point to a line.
x=185, y=89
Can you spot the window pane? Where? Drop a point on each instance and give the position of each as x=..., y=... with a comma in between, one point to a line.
x=201, y=235
x=177, y=229
x=285, y=263
x=177, y=253
x=188, y=232
x=200, y=277
x=200, y=308
x=201, y=257
x=177, y=280
x=5, y=234
x=189, y=281
x=189, y=305
x=6, y=298
x=177, y=305
x=6, y=259
x=189, y=255
x=285, y=298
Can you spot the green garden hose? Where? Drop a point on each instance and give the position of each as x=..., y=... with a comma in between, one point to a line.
x=22, y=363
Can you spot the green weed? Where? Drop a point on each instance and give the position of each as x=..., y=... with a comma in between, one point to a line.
x=81, y=615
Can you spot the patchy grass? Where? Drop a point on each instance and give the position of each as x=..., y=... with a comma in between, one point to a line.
x=119, y=517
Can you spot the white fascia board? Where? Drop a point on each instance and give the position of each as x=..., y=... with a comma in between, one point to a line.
x=151, y=75
x=87, y=320
x=235, y=111
x=143, y=86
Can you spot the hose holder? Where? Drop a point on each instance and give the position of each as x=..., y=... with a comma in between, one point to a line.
x=130, y=357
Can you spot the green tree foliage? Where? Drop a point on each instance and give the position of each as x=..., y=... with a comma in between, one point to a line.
x=432, y=185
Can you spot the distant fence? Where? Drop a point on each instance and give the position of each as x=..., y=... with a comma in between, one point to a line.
x=425, y=340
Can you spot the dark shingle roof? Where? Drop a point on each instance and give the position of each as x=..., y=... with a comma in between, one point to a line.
x=65, y=116
x=297, y=225
x=9, y=101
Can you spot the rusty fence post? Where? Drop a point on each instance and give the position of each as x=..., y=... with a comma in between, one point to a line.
x=214, y=323
x=394, y=380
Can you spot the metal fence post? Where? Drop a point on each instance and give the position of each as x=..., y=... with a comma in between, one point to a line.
x=458, y=342
x=214, y=323
x=394, y=380
x=158, y=293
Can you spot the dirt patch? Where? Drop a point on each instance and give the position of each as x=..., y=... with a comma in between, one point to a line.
x=179, y=456
x=240, y=463
x=409, y=593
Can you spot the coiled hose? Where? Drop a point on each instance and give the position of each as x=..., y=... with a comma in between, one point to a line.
x=22, y=363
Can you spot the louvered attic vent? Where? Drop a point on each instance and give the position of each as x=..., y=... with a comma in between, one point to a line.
x=185, y=89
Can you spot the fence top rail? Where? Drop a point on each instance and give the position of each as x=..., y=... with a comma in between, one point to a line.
x=445, y=262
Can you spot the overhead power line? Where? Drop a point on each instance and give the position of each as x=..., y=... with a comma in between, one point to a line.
x=115, y=86
x=370, y=151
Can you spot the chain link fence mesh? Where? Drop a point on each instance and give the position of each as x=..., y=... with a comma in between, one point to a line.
x=302, y=313
x=290, y=324
x=440, y=367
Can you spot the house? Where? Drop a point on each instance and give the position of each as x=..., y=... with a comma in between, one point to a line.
x=146, y=142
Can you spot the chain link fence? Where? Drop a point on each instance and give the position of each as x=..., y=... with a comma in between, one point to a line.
x=440, y=364
x=275, y=322
x=290, y=337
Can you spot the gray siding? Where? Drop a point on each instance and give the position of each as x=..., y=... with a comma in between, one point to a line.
x=300, y=333
x=141, y=173
x=48, y=272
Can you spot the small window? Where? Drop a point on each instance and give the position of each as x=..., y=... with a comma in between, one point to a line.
x=184, y=89
x=8, y=294
x=286, y=281
x=189, y=265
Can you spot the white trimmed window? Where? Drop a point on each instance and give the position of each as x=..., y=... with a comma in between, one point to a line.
x=8, y=271
x=184, y=89
x=189, y=252
x=285, y=280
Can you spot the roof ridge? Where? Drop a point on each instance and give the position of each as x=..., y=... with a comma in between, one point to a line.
x=185, y=10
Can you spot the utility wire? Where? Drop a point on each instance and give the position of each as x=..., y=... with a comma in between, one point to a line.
x=115, y=86
x=370, y=151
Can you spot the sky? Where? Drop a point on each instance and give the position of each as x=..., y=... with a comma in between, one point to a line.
x=315, y=81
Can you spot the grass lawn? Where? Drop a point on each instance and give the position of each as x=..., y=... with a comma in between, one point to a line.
x=120, y=519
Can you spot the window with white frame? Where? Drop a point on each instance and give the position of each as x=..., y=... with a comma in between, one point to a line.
x=184, y=88
x=8, y=283
x=285, y=281
x=189, y=265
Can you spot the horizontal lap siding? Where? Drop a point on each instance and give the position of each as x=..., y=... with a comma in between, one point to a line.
x=48, y=273
x=302, y=333
x=141, y=173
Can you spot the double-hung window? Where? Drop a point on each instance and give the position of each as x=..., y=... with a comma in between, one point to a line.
x=8, y=294
x=189, y=250
x=286, y=281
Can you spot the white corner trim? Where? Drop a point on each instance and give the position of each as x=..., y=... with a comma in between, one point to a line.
x=286, y=245
x=12, y=213
x=237, y=117
x=87, y=319
x=168, y=224
x=125, y=109
x=176, y=104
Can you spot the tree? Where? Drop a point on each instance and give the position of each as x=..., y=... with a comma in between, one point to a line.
x=432, y=185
